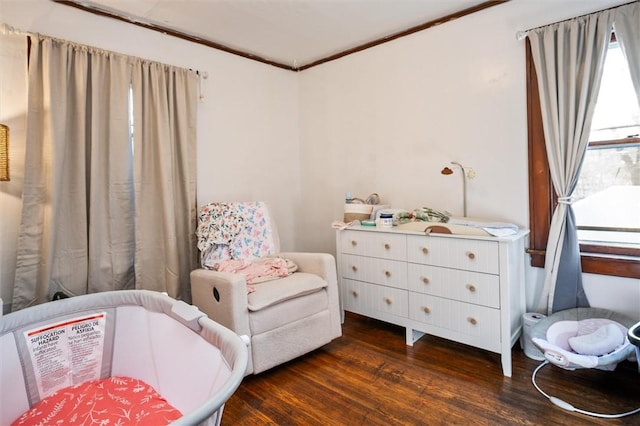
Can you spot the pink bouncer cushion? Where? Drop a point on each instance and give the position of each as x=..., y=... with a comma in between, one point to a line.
x=110, y=401
x=591, y=336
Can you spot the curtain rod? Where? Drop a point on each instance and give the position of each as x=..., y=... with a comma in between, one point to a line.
x=520, y=35
x=6, y=29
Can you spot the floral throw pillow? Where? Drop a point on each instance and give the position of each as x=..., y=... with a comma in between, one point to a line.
x=228, y=231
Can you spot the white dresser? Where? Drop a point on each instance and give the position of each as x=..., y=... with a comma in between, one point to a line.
x=464, y=288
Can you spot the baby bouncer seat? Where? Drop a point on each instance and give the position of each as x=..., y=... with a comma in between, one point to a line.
x=585, y=338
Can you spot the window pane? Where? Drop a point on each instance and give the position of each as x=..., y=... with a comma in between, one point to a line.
x=607, y=197
x=617, y=114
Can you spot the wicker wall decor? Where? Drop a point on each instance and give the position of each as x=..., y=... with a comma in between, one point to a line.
x=4, y=152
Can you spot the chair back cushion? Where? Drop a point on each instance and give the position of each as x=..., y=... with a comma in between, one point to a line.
x=235, y=230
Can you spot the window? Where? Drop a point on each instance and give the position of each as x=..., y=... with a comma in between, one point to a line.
x=607, y=197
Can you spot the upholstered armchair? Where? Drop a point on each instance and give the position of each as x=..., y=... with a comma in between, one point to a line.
x=285, y=314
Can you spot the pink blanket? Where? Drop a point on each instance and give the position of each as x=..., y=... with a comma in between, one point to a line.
x=258, y=270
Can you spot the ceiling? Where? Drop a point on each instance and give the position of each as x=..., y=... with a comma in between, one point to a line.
x=293, y=34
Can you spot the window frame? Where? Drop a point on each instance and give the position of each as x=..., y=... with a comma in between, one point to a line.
x=595, y=259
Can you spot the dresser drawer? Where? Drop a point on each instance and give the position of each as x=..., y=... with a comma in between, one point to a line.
x=392, y=273
x=466, y=286
x=465, y=318
x=374, y=244
x=373, y=300
x=458, y=253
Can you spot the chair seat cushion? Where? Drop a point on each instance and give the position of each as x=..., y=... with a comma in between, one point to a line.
x=276, y=291
x=288, y=315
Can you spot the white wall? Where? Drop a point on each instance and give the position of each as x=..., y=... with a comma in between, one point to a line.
x=384, y=120
x=388, y=119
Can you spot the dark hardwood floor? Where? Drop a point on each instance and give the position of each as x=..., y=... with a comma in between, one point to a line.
x=370, y=377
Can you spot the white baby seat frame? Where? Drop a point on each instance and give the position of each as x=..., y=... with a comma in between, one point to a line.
x=553, y=335
x=193, y=362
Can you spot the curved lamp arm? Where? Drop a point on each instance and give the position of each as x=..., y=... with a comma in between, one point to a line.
x=466, y=172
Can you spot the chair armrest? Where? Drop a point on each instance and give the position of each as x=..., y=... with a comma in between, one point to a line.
x=229, y=308
x=322, y=264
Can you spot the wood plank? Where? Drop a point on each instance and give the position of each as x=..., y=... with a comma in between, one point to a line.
x=370, y=377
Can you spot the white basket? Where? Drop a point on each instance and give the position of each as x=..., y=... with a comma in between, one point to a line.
x=357, y=212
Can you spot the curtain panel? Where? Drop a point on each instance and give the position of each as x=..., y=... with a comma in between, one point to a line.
x=87, y=203
x=164, y=174
x=568, y=58
x=627, y=27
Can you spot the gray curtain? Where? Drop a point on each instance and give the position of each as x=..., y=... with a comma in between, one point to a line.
x=627, y=27
x=165, y=156
x=569, y=58
x=80, y=214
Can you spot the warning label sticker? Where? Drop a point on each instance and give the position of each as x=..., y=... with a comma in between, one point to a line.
x=67, y=353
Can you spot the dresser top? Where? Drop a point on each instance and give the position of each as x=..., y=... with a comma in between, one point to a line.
x=441, y=230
